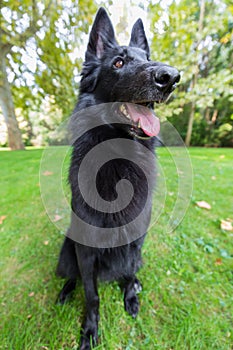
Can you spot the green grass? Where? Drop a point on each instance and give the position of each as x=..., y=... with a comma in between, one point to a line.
x=187, y=277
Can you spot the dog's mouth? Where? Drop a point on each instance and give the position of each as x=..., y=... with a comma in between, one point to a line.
x=144, y=123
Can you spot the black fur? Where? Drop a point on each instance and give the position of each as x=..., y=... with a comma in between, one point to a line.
x=138, y=81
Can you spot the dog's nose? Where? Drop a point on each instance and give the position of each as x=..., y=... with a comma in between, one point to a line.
x=166, y=77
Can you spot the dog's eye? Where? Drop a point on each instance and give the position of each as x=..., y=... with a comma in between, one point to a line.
x=119, y=63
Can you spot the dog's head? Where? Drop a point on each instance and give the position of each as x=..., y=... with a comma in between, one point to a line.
x=126, y=74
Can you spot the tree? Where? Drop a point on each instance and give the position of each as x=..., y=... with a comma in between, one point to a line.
x=49, y=28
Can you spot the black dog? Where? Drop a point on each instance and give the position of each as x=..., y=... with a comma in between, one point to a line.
x=123, y=78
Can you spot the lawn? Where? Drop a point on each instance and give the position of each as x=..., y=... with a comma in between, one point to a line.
x=187, y=277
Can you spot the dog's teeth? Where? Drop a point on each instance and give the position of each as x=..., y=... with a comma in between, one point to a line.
x=139, y=124
x=124, y=112
x=122, y=109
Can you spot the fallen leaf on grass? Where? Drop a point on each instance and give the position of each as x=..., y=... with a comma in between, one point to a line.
x=46, y=242
x=47, y=173
x=2, y=218
x=218, y=261
x=203, y=205
x=29, y=317
x=31, y=294
x=226, y=225
x=213, y=177
x=57, y=218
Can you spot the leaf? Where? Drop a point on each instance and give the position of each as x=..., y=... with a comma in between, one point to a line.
x=2, y=218
x=218, y=261
x=203, y=205
x=226, y=225
x=46, y=242
x=31, y=294
x=47, y=173
x=57, y=218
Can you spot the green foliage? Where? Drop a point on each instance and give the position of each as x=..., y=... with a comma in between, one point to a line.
x=39, y=39
x=204, y=55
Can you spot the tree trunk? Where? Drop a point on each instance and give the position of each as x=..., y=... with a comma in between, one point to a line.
x=190, y=125
x=195, y=75
x=214, y=116
x=6, y=101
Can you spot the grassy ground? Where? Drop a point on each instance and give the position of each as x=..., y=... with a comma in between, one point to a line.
x=187, y=297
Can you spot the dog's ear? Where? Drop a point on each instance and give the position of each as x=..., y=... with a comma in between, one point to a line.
x=138, y=37
x=101, y=36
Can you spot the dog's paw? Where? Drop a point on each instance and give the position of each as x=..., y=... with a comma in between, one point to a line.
x=132, y=305
x=61, y=299
x=89, y=337
x=66, y=292
x=137, y=286
x=87, y=343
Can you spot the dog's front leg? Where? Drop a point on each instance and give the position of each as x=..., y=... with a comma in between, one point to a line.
x=89, y=332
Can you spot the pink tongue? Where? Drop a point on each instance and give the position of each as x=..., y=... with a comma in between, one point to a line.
x=148, y=121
